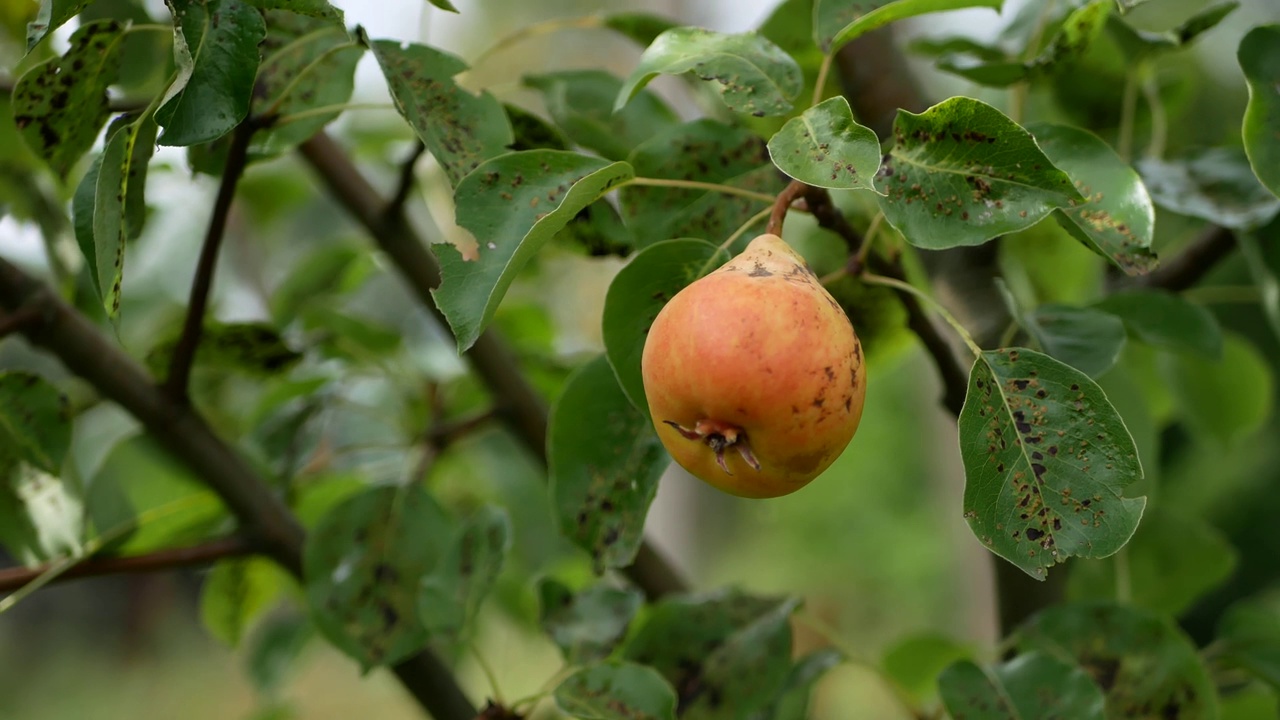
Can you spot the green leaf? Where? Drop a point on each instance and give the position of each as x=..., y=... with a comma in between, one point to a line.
x=319, y=9
x=444, y=5
x=706, y=151
x=1142, y=45
x=60, y=105
x=961, y=173
x=617, y=690
x=236, y=593
x=1138, y=658
x=41, y=516
x=274, y=648
x=52, y=15
x=605, y=461
x=460, y=130
x=109, y=206
x=1117, y=218
x=915, y=663
x=1032, y=686
x=1172, y=561
x=861, y=17
x=1229, y=399
x=308, y=63
x=450, y=598
x=581, y=102
x=363, y=565
x=636, y=296
x=824, y=146
x=641, y=28
x=1046, y=462
x=1268, y=285
x=1217, y=185
x=532, y=132
x=1166, y=320
x=1259, y=58
x=586, y=625
x=35, y=421
x=751, y=73
x=216, y=46
x=1250, y=635
x=512, y=205
x=1087, y=339
x=254, y=348
x=740, y=646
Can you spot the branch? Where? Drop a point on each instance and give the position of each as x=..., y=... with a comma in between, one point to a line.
x=19, y=320
x=159, y=561
x=266, y=521
x=955, y=379
x=518, y=405
x=1194, y=262
x=184, y=352
x=396, y=205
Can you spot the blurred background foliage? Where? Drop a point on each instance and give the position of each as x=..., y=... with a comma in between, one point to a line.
x=877, y=547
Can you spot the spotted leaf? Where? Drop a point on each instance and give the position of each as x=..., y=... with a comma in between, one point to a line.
x=1032, y=686
x=752, y=74
x=605, y=461
x=363, y=564
x=1046, y=462
x=1117, y=217
x=961, y=173
x=826, y=147
x=617, y=690
x=35, y=422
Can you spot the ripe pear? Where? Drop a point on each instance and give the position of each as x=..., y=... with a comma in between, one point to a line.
x=754, y=374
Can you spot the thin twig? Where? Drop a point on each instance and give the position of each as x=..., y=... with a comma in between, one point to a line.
x=519, y=406
x=19, y=320
x=407, y=176
x=1194, y=262
x=158, y=561
x=184, y=352
x=794, y=189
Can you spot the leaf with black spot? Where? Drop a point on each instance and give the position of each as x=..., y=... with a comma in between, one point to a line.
x=752, y=75
x=308, y=63
x=235, y=594
x=638, y=293
x=319, y=9
x=512, y=204
x=1117, y=218
x=35, y=421
x=1032, y=686
x=363, y=565
x=961, y=173
x=605, y=461
x=460, y=130
x=733, y=654
x=588, y=624
x=707, y=151
x=450, y=597
x=1046, y=461
x=52, y=15
x=531, y=132
x=825, y=147
x=216, y=47
x=616, y=690
x=60, y=105
x=1144, y=664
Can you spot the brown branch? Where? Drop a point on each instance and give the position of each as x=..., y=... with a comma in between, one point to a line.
x=793, y=190
x=518, y=405
x=955, y=379
x=158, y=561
x=395, y=206
x=19, y=320
x=1194, y=262
x=264, y=518
x=184, y=352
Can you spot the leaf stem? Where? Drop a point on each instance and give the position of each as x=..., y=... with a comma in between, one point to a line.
x=21, y=320
x=1128, y=108
x=1124, y=579
x=1159, y=120
x=185, y=351
x=489, y=675
x=699, y=185
x=860, y=260
x=781, y=204
x=823, y=71
x=742, y=229
x=912, y=289
x=395, y=205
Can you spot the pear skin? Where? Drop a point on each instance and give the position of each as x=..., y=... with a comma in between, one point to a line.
x=754, y=374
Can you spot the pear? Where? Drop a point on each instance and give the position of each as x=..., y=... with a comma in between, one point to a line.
x=754, y=374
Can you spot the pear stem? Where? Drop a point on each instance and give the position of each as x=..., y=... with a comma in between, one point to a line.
x=783, y=203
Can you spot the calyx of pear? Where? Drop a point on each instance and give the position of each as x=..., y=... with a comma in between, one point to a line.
x=754, y=375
